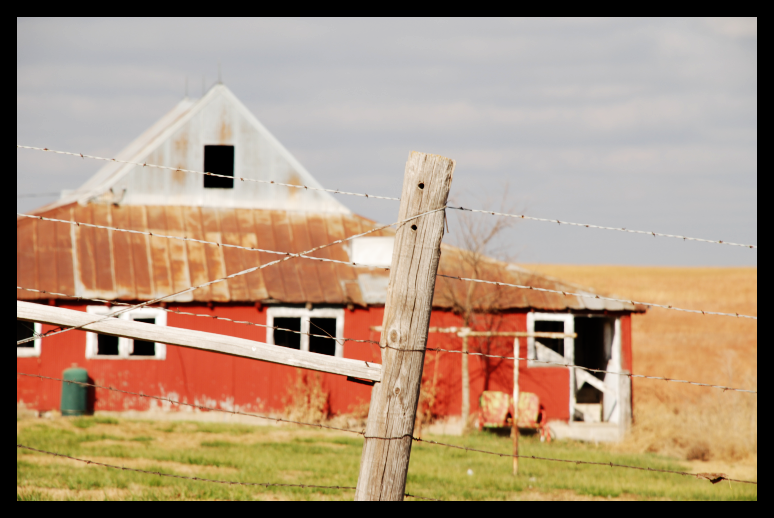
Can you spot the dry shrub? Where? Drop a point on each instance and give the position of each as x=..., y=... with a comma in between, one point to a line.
x=308, y=400
x=677, y=419
x=720, y=425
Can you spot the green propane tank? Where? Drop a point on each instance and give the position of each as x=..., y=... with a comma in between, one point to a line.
x=74, y=396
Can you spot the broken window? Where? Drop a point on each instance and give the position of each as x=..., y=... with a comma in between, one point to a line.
x=326, y=323
x=219, y=160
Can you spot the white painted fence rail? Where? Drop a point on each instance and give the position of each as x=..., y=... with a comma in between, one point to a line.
x=242, y=347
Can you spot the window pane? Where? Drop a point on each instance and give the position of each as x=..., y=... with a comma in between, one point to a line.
x=141, y=347
x=284, y=338
x=107, y=345
x=322, y=326
x=551, y=326
x=25, y=330
x=219, y=160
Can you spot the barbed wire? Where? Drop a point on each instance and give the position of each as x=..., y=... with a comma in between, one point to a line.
x=374, y=342
x=600, y=297
x=202, y=315
x=243, y=272
x=304, y=256
x=712, y=477
x=202, y=241
x=719, y=476
x=271, y=182
x=170, y=475
x=199, y=479
x=588, y=225
x=365, y=195
x=191, y=405
x=588, y=369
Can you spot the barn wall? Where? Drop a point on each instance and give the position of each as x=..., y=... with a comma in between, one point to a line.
x=217, y=380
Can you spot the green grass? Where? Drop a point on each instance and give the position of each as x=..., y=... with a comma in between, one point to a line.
x=300, y=456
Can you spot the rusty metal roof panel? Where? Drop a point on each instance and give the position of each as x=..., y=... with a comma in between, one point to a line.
x=98, y=263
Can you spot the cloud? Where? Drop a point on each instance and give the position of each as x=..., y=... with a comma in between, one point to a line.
x=586, y=118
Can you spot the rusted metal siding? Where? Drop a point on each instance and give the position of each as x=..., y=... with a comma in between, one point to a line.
x=99, y=263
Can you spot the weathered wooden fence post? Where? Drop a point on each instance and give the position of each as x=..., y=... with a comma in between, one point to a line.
x=391, y=418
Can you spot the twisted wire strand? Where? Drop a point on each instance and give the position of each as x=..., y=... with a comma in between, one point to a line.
x=365, y=195
x=374, y=342
x=714, y=479
x=243, y=272
x=170, y=475
x=707, y=476
x=304, y=256
x=588, y=225
x=202, y=315
x=270, y=182
x=202, y=241
x=599, y=297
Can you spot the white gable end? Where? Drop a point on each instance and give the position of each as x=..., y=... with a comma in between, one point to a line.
x=178, y=141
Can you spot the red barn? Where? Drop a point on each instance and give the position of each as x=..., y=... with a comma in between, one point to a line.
x=218, y=134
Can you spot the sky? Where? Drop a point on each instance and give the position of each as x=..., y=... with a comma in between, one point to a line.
x=647, y=124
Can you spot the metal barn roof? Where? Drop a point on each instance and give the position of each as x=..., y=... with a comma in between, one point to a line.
x=98, y=263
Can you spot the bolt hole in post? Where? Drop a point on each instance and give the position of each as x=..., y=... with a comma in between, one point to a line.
x=421, y=186
x=413, y=227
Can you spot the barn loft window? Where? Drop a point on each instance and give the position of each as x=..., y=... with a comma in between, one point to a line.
x=105, y=347
x=219, y=160
x=28, y=330
x=327, y=322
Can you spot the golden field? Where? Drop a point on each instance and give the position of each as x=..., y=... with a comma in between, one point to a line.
x=696, y=423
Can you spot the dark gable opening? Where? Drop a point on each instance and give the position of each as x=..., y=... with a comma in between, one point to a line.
x=219, y=160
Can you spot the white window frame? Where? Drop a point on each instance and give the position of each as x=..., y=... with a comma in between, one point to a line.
x=31, y=352
x=305, y=314
x=569, y=343
x=126, y=345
